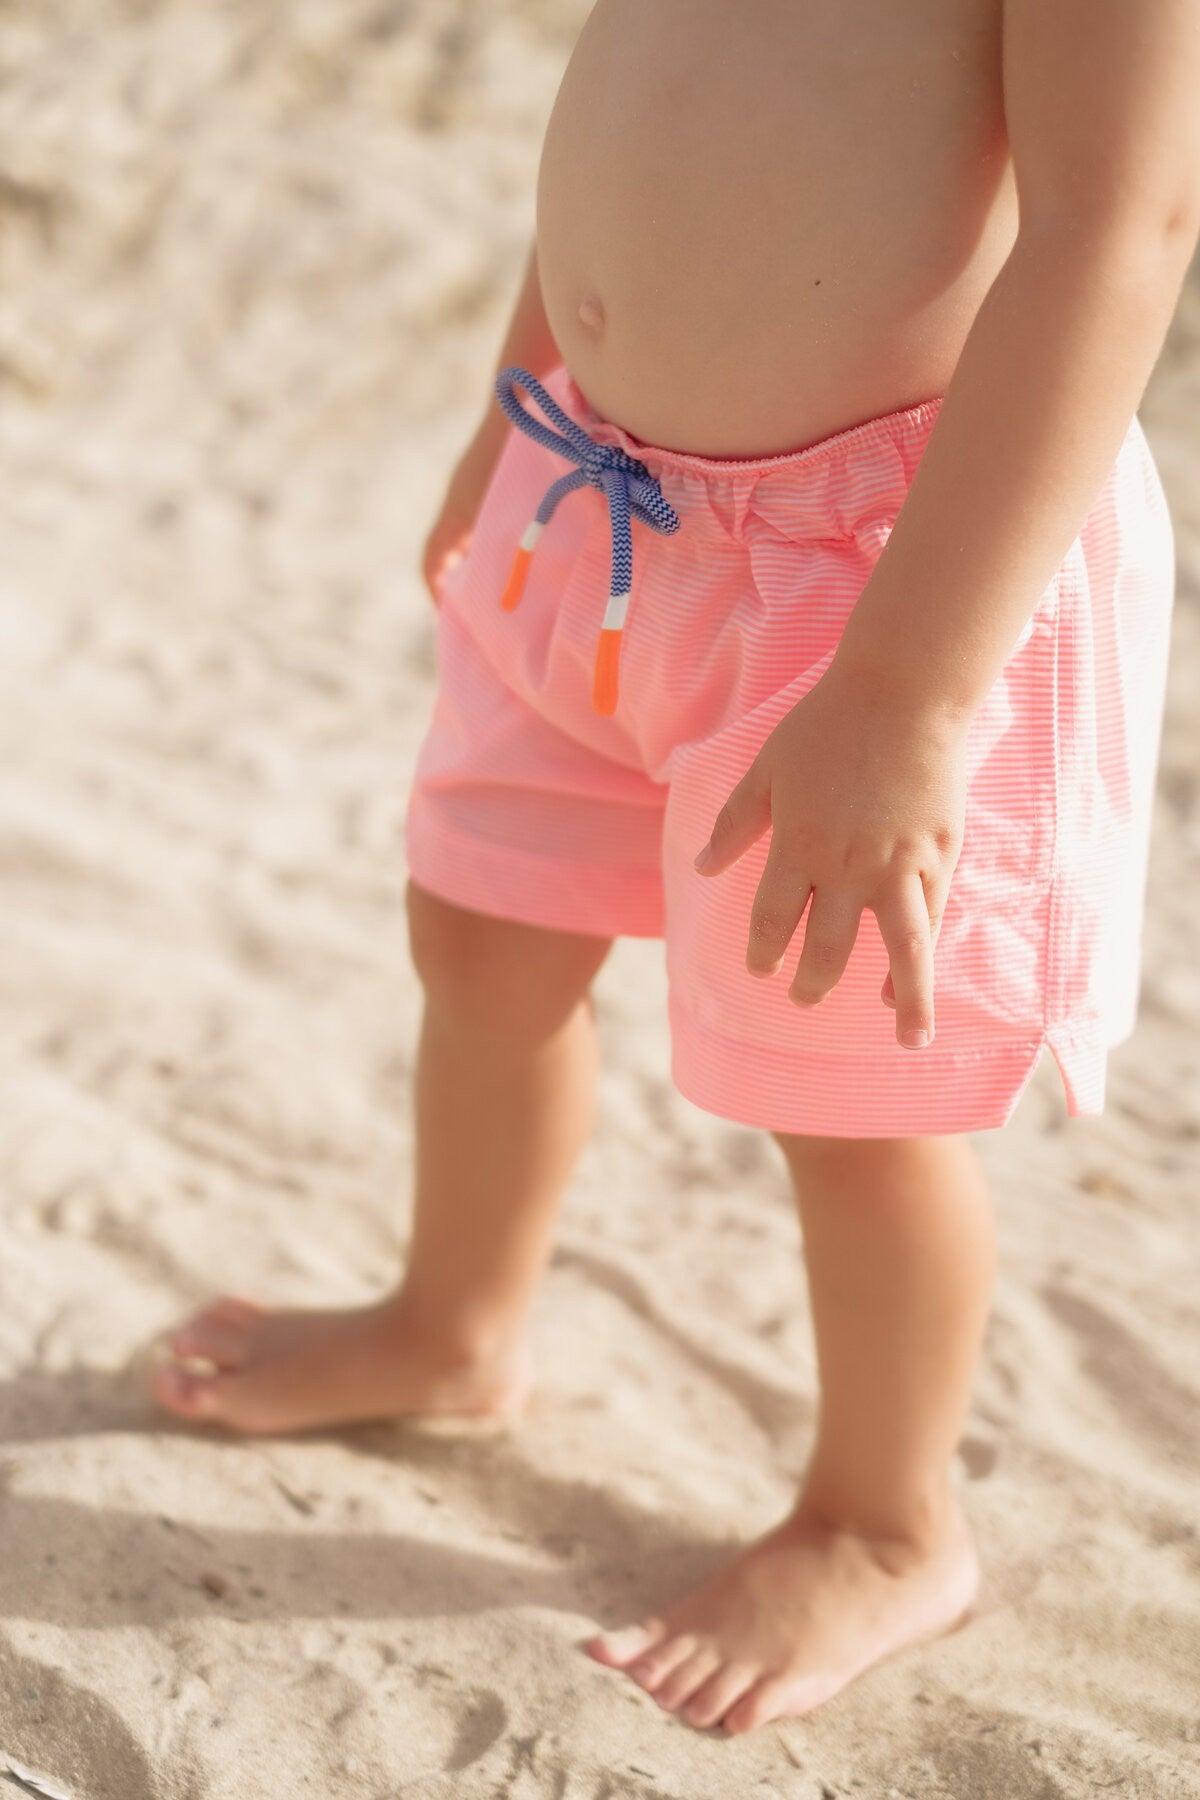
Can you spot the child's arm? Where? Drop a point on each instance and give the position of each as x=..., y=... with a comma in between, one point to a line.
x=1102, y=101
x=862, y=784
x=528, y=343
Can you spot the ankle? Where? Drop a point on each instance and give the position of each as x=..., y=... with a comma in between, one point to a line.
x=904, y=1529
x=458, y=1340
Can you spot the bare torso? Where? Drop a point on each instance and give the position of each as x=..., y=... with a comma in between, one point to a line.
x=760, y=223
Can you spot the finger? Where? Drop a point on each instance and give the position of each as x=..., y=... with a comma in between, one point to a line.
x=433, y=582
x=935, y=900
x=903, y=917
x=777, y=910
x=935, y=905
x=440, y=560
x=741, y=822
x=440, y=572
x=828, y=940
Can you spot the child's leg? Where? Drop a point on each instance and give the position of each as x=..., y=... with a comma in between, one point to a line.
x=899, y=1245
x=504, y=1087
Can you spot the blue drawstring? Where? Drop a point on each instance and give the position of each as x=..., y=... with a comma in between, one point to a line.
x=629, y=488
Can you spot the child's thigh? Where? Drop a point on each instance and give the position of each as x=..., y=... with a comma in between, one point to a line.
x=512, y=817
x=502, y=974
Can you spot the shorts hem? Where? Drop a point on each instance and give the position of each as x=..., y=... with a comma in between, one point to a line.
x=526, y=888
x=929, y=1093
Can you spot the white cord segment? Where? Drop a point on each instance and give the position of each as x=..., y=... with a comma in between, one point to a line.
x=614, y=612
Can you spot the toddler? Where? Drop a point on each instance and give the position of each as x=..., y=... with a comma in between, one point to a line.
x=803, y=599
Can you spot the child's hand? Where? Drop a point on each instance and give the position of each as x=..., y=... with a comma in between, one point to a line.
x=450, y=534
x=866, y=809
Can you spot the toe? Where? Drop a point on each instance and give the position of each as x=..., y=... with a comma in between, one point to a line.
x=186, y=1391
x=235, y=1308
x=709, y=1704
x=651, y=1669
x=228, y=1346
x=226, y=1397
x=692, y=1673
x=617, y=1648
x=772, y=1697
x=221, y=1332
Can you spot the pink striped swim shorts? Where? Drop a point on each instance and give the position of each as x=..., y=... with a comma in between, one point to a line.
x=530, y=802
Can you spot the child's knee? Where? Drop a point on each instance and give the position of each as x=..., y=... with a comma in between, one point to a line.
x=842, y=1158
x=497, y=973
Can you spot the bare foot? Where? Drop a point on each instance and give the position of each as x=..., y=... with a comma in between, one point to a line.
x=798, y=1615
x=238, y=1365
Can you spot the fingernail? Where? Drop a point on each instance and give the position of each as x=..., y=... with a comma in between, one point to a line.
x=704, y=857
x=916, y=1037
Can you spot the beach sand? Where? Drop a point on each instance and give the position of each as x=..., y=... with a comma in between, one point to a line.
x=257, y=262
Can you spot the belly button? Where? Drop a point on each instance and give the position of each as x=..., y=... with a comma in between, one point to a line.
x=592, y=314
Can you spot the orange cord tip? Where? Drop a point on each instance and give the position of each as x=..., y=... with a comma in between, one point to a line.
x=608, y=656
x=515, y=585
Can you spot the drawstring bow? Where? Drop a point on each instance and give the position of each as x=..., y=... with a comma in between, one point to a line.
x=630, y=490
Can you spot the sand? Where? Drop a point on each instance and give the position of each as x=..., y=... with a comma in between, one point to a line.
x=256, y=266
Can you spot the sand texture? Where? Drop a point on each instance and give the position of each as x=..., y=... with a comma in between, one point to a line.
x=256, y=265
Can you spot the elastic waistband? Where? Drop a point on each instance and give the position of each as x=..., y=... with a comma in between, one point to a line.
x=907, y=425
x=851, y=484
